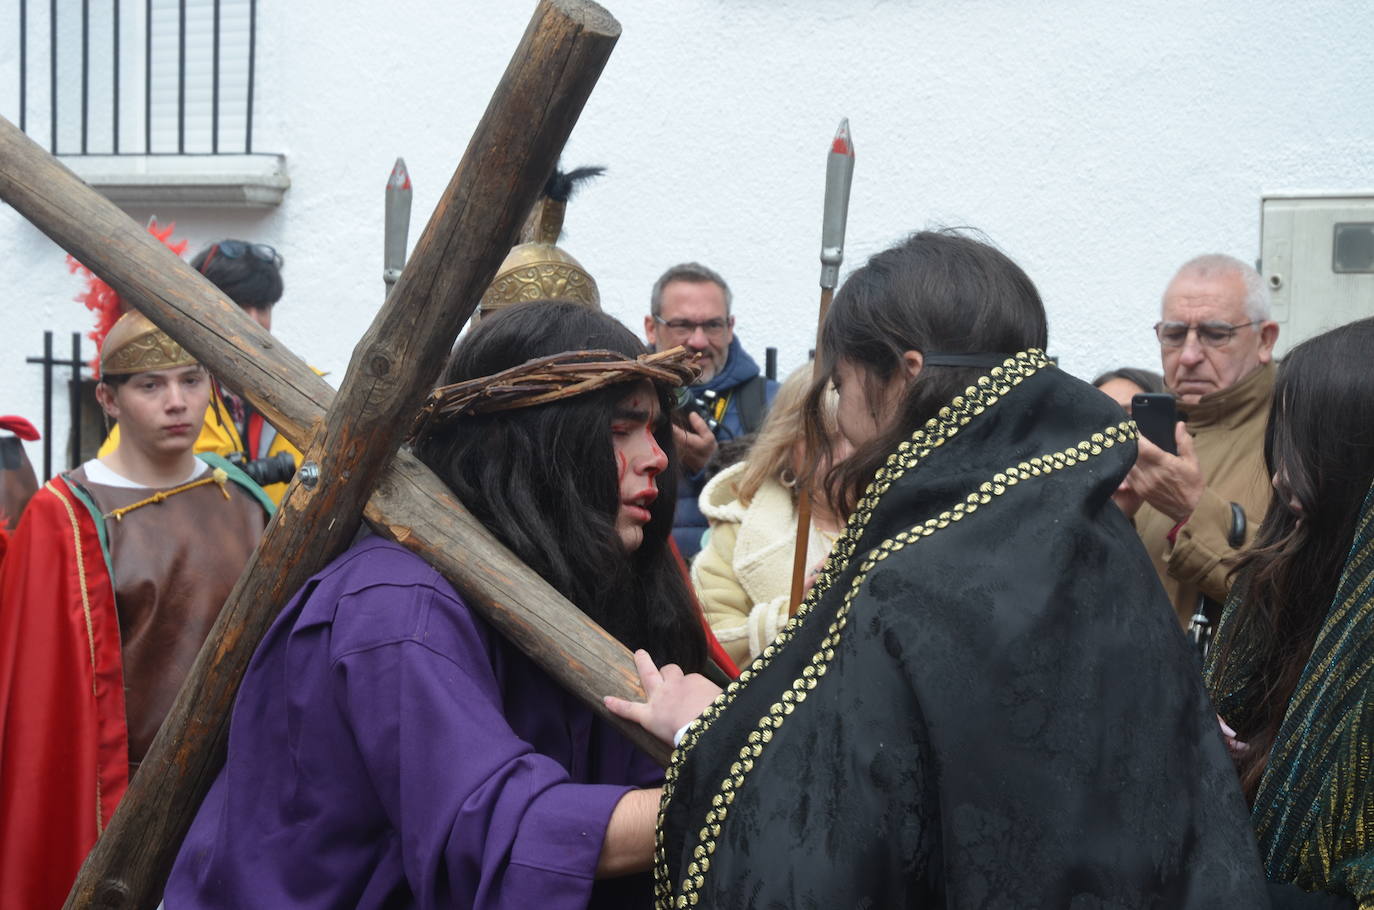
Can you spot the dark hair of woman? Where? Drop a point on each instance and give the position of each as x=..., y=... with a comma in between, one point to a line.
x=249, y=280
x=1145, y=380
x=1320, y=445
x=543, y=480
x=940, y=292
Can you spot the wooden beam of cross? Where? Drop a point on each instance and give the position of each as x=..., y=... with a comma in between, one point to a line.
x=514, y=148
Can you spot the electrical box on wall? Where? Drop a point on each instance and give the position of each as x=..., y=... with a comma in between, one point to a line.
x=1317, y=255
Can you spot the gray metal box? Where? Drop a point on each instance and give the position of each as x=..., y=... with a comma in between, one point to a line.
x=1317, y=255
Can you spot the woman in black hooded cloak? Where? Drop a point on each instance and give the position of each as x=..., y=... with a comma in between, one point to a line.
x=985, y=700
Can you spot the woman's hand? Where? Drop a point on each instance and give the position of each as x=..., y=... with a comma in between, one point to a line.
x=812, y=574
x=675, y=698
x=1233, y=745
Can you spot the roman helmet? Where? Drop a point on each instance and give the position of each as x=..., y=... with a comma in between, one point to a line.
x=135, y=345
x=539, y=269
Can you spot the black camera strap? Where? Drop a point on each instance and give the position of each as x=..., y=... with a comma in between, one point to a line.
x=753, y=403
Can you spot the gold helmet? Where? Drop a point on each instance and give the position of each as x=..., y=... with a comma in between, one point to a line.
x=538, y=269
x=135, y=345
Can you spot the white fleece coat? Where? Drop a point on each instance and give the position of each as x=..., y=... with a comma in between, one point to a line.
x=743, y=574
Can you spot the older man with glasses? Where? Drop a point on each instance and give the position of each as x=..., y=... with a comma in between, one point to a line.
x=1200, y=506
x=690, y=306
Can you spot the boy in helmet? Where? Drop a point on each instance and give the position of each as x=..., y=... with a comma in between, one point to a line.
x=114, y=577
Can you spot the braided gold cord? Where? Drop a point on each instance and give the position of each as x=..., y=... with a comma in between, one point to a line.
x=218, y=475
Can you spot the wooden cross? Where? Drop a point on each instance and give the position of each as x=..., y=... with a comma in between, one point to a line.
x=351, y=439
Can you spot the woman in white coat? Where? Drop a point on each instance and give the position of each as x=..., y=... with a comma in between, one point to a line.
x=743, y=574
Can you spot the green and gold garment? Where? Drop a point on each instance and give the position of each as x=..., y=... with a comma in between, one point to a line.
x=1314, y=809
x=985, y=701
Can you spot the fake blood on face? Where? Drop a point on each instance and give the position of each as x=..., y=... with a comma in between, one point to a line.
x=639, y=461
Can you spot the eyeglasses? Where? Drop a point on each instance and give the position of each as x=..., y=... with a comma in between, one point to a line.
x=714, y=328
x=1210, y=334
x=237, y=249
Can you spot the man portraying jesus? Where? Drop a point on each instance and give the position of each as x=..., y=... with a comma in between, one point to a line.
x=387, y=748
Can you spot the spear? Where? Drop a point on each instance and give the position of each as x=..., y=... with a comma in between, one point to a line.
x=839, y=173
x=397, y=224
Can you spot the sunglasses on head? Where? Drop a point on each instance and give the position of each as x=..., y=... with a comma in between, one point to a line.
x=237, y=249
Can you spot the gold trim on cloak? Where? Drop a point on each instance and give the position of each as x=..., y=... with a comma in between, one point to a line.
x=90, y=626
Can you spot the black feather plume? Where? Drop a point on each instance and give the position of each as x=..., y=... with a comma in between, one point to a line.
x=562, y=184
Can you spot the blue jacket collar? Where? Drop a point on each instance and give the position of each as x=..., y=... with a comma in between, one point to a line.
x=739, y=368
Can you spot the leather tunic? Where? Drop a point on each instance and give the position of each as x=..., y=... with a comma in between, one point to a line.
x=174, y=564
x=17, y=482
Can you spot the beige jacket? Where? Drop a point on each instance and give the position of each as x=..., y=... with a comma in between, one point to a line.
x=1228, y=433
x=743, y=574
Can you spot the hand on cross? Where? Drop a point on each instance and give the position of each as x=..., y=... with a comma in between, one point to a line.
x=675, y=698
x=1234, y=746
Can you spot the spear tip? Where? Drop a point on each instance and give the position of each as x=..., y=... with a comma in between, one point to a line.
x=843, y=144
x=400, y=177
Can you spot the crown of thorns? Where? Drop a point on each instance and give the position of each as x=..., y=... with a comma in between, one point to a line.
x=552, y=378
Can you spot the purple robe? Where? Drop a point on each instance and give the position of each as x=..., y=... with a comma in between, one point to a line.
x=387, y=749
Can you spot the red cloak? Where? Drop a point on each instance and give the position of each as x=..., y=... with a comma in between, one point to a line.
x=63, y=743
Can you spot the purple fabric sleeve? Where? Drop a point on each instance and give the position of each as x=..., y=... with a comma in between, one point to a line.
x=485, y=821
x=388, y=751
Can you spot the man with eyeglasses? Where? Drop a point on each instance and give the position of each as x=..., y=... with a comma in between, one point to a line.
x=250, y=275
x=1203, y=504
x=690, y=306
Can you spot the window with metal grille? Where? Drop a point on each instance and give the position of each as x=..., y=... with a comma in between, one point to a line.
x=138, y=77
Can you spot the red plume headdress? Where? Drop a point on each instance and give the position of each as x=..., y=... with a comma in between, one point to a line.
x=101, y=299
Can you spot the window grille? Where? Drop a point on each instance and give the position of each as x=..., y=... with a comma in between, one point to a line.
x=138, y=77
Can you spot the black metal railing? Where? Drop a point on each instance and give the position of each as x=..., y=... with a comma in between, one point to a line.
x=49, y=362
x=197, y=67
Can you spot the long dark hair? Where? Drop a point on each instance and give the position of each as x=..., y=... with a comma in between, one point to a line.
x=543, y=480
x=1319, y=445
x=939, y=291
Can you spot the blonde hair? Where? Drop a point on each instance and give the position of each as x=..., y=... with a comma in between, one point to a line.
x=771, y=456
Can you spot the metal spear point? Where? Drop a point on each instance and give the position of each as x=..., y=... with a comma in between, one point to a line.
x=839, y=174
x=398, y=195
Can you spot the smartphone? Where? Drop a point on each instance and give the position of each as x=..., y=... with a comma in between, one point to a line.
x=1155, y=415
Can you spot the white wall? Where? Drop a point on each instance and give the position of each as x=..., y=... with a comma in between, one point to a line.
x=1099, y=144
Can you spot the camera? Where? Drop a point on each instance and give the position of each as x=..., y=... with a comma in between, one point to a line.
x=278, y=468
x=703, y=404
